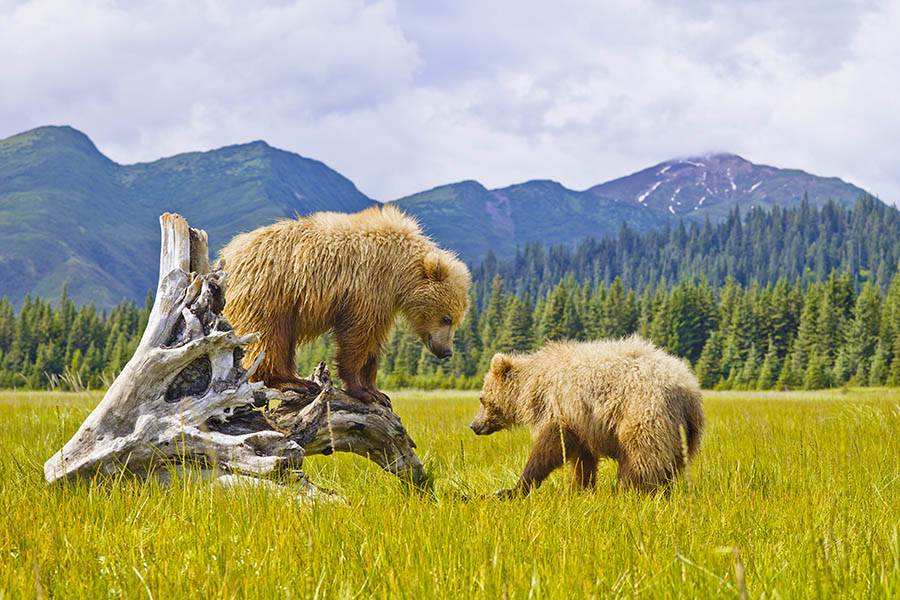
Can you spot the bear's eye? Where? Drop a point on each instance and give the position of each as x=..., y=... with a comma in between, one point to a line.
x=481, y=399
x=446, y=320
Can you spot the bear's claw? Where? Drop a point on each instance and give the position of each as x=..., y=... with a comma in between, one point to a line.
x=371, y=397
x=507, y=494
x=303, y=387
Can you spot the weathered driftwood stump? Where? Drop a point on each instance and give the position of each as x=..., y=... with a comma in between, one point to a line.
x=185, y=398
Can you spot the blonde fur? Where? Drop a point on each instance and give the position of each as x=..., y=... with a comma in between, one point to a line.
x=352, y=273
x=623, y=399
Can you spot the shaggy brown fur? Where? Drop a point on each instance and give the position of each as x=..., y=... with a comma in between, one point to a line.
x=622, y=399
x=351, y=273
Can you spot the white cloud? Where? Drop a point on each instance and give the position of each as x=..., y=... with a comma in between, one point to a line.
x=403, y=97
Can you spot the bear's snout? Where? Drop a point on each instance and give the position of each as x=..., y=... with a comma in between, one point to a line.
x=447, y=353
x=480, y=426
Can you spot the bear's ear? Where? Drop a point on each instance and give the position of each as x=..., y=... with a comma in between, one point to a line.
x=500, y=365
x=436, y=267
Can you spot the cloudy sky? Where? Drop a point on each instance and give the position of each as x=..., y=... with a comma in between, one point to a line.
x=405, y=95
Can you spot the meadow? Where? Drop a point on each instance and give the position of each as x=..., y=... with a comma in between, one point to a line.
x=794, y=495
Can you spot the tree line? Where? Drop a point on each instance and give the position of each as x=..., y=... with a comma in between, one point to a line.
x=804, y=328
x=66, y=346
x=778, y=336
x=800, y=243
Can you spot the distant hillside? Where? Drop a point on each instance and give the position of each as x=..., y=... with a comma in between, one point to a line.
x=69, y=214
x=471, y=219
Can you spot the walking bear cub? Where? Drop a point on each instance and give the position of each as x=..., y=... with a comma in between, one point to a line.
x=622, y=399
x=350, y=273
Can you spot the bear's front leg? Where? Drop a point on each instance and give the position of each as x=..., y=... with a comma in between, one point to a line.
x=546, y=457
x=367, y=377
x=358, y=367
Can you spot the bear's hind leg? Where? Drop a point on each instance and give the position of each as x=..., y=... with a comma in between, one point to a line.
x=276, y=370
x=584, y=467
x=643, y=473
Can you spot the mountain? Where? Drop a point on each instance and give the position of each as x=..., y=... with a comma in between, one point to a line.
x=70, y=214
x=713, y=184
x=470, y=218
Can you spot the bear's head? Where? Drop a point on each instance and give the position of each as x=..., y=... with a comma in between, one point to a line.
x=437, y=303
x=496, y=397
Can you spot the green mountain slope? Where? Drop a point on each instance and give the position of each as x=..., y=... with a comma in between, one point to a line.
x=472, y=219
x=69, y=214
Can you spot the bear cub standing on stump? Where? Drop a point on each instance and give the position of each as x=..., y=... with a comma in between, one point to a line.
x=623, y=399
x=351, y=273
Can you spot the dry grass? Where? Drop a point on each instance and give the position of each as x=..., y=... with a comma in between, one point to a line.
x=794, y=495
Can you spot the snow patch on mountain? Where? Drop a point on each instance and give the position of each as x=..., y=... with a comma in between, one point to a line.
x=643, y=196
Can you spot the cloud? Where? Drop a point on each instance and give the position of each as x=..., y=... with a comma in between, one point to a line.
x=405, y=96
x=147, y=79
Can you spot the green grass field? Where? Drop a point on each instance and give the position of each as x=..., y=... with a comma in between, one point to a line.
x=806, y=487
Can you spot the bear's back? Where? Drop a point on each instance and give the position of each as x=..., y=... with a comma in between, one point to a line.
x=599, y=384
x=313, y=266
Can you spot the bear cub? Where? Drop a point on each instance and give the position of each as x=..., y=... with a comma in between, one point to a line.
x=622, y=399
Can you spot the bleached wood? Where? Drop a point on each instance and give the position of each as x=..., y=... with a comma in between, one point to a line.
x=335, y=421
x=175, y=249
x=199, y=253
x=185, y=398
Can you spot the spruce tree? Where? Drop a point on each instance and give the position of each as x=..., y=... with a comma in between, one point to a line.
x=816, y=377
x=467, y=342
x=516, y=335
x=863, y=330
x=428, y=363
x=842, y=367
x=572, y=326
x=894, y=371
x=878, y=373
x=749, y=373
x=805, y=340
x=789, y=378
x=781, y=322
x=407, y=360
x=7, y=325
x=645, y=312
x=770, y=368
x=659, y=318
x=554, y=323
x=828, y=327
x=708, y=366
x=686, y=335
x=492, y=318
x=890, y=320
